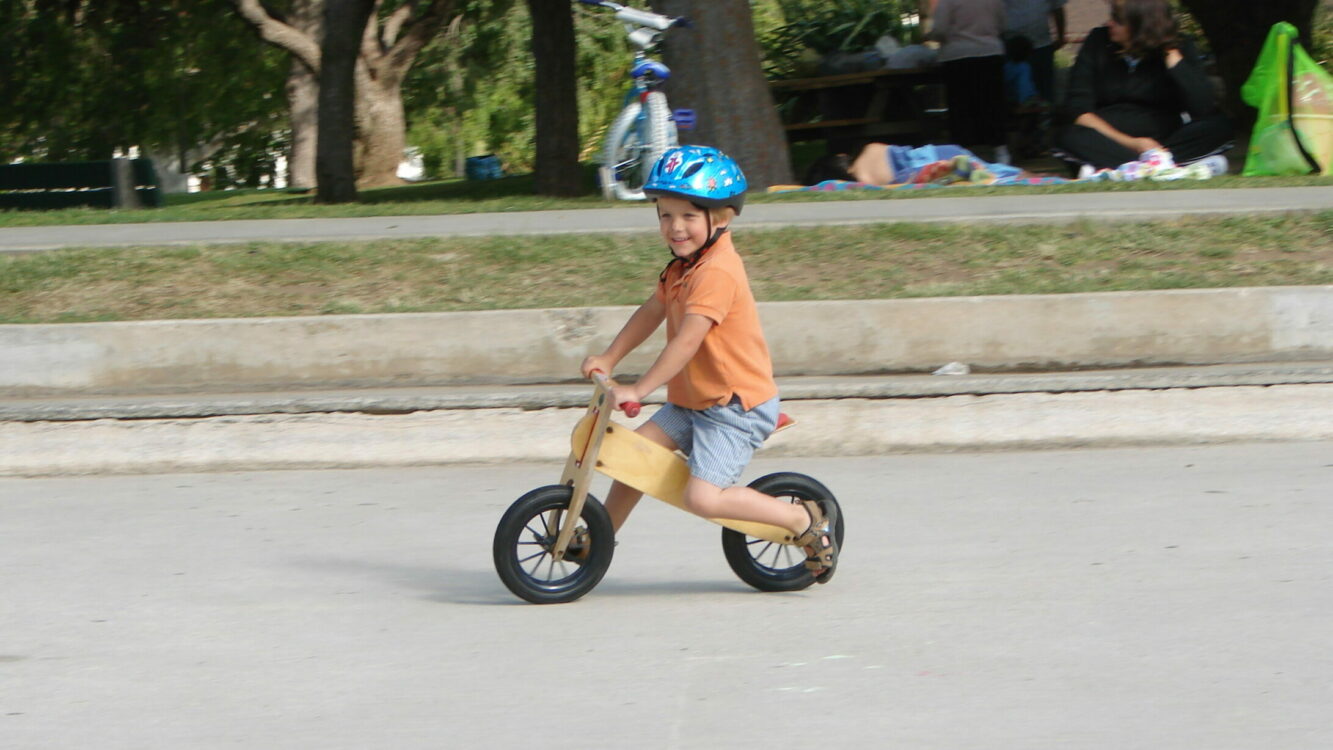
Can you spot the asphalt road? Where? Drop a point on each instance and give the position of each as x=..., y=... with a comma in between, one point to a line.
x=1103, y=599
x=1018, y=207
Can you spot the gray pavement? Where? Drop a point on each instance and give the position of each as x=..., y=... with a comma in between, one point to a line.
x=1098, y=599
x=1107, y=206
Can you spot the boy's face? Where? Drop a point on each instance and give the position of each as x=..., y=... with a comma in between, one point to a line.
x=684, y=225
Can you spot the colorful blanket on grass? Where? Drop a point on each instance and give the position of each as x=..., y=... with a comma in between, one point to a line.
x=835, y=185
x=947, y=173
x=1156, y=165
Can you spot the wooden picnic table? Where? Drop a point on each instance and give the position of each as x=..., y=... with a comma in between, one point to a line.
x=894, y=105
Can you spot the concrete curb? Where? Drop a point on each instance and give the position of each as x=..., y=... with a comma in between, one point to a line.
x=827, y=428
x=1028, y=332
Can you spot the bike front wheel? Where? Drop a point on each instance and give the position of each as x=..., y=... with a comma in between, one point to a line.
x=526, y=535
x=637, y=139
x=769, y=566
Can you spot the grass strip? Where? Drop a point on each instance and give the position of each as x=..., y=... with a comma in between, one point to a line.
x=819, y=263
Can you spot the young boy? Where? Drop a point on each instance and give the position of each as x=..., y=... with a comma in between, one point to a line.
x=722, y=401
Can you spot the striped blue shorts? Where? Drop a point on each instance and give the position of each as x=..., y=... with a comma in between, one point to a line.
x=719, y=440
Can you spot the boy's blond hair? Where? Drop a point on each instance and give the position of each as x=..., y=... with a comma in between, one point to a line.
x=722, y=216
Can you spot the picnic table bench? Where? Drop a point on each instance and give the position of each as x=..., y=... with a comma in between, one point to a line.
x=898, y=105
x=115, y=183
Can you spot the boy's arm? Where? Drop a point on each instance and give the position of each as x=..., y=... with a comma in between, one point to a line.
x=637, y=329
x=678, y=353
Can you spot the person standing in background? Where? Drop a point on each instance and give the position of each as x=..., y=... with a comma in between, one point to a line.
x=972, y=58
x=1032, y=19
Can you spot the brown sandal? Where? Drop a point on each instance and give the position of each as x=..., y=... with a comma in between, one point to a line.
x=819, y=542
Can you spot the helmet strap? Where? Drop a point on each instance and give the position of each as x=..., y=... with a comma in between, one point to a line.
x=693, y=258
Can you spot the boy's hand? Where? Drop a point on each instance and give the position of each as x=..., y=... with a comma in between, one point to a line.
x=625, y=394
x=597, y=362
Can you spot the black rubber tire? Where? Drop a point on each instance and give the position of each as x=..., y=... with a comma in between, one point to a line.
x=522, y=541
x=769, y=566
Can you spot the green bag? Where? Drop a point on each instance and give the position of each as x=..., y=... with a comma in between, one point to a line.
x=1294, y=96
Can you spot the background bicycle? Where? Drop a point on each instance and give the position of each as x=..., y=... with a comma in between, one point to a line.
x=646, y=126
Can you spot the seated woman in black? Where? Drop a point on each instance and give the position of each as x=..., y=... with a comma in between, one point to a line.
x=1131, y=83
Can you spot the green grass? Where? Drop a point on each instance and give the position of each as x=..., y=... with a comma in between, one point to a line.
x=851, y=262
x=517, y=194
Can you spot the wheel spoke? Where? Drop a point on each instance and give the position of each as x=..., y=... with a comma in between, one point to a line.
x=773, y=556
x=522, y=560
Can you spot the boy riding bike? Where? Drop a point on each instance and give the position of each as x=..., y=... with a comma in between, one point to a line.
x=722, y=401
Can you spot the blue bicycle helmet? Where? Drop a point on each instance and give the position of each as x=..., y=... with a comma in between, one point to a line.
x=699, y=174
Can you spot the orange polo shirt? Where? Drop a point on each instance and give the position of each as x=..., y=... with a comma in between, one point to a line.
x=733, y=358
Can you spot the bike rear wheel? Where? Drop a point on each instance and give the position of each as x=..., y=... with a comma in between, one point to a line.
x=636, y=140
x=524, y=538
x=769, y=566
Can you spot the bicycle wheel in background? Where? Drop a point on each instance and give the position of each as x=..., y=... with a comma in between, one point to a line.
x=637, y=138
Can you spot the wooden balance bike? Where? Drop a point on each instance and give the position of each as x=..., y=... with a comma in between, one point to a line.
x=555, y=543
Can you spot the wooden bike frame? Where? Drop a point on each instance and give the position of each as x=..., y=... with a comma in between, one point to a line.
x=598, y=444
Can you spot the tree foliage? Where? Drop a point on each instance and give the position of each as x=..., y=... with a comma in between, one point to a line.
x=84, y=78
x=1236, y=30
x=473, y=91
x=811, y=26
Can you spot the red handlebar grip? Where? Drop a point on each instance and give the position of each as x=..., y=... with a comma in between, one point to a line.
x=631, y=408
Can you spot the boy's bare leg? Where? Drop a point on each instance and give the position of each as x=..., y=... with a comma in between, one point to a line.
x=622, y=498
x=743, y=504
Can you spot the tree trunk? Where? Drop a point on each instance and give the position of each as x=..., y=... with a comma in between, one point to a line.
x=1236, y=30
x=381, y=130
x=716, y=71
x=344, y=24
x=386, y=50
x=302, y=88
x=303, y=117
x=553, y=46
